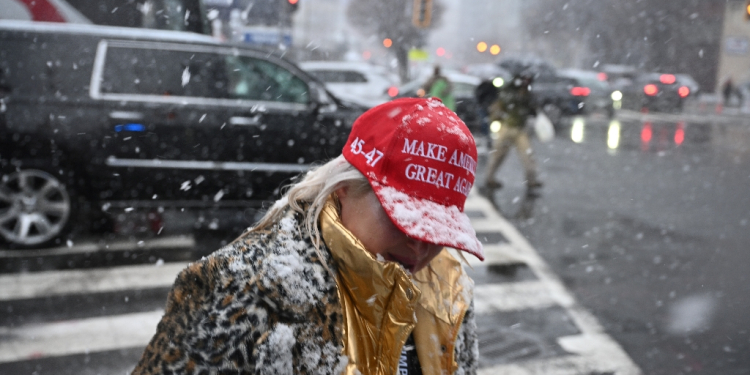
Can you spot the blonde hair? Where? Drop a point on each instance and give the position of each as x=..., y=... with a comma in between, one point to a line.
x=309, y=195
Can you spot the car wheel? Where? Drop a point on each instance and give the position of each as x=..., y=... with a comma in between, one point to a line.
x=35, y=208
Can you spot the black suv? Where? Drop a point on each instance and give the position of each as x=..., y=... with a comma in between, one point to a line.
x=96, y=117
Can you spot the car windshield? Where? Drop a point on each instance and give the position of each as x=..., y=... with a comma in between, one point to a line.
x=609, y=190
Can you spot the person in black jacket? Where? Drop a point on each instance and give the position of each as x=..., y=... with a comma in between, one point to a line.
x=485, y=93
x=511, y=110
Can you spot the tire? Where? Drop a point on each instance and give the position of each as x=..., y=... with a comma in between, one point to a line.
x=36, y=208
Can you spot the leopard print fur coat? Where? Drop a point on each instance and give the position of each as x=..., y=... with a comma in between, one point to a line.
x=264, y=304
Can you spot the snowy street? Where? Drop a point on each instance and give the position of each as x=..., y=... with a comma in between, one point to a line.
x=576, y=280
x=89, y=321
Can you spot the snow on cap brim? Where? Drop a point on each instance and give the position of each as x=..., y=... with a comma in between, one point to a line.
x=428, y=221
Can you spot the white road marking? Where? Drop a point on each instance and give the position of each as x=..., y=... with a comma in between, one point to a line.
x=177, y=242
x=78, y=336
x=567, y=365
x=493, y=255
x=489, y=298
x=52, y=283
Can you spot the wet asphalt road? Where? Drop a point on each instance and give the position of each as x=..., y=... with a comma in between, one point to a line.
x=647, y=221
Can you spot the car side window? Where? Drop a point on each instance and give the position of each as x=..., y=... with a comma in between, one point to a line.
x=339, y=76
x=255, y=79
x=148, y=71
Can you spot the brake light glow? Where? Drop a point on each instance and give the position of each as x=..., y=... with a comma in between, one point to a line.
x=683, y=91
x=679, y=133
x=601, y=76
x=646, y=133
x=667, y=79
x=580, y=91
x=392, y=91
x=650, y=89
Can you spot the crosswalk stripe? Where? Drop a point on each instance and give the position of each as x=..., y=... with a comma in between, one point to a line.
x=177, y=242
x=489, y=298
x=493, y=255
x=590, y=354
x=50, y=283
x=78, y=336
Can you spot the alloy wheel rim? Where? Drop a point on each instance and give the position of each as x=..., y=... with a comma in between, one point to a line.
x=34, y=207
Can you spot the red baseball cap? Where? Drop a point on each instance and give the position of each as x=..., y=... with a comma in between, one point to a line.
x=421, y=160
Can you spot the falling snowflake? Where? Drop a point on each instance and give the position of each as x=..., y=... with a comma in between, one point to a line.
x=185, y=76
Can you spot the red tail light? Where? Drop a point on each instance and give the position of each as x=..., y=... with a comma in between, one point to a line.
x=667, y=79
x=601, y=76
x=580, y=91
x=650, y=89
x=392, y=91
x=683, y=91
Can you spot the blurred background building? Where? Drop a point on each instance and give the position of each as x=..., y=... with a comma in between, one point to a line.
x=734, y=59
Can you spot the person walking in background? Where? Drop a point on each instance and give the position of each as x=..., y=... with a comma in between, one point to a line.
x=728, y=91
x=485, y=94
x=348, y=271
x=510, y=111
x=439, y=86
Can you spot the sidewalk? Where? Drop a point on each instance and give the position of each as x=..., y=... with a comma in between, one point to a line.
x=712, y=106
x=707, y=109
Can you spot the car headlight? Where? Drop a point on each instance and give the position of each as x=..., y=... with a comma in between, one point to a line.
x=616, y=95
x=495, y=126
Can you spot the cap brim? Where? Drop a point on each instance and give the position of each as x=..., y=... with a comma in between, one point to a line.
x=428, y=221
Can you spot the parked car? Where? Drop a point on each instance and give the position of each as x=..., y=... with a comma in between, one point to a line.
x=358, y=82
x=656, y=92
x=96, y=117
x=594, y=91
x=533, y=65
x=487, y=71
x=688, y=81
x=619, y=76
x=463, y=92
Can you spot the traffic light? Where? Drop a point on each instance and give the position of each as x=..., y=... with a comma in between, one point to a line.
x=422, y=13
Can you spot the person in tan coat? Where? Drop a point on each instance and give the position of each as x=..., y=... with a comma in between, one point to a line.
x=349, y=271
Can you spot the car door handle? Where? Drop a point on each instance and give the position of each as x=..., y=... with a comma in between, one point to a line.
x=245, y=121
x=125, y=115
